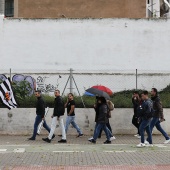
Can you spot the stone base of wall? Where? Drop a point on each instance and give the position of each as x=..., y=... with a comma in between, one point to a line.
x=20, y=121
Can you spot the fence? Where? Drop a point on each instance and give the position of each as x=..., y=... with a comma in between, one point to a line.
x=76, y=81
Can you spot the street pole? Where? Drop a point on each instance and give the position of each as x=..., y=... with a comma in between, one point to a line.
x=136, y=79
x=71, y=80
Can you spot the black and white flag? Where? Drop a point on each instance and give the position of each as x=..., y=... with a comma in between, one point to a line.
x=6, y=94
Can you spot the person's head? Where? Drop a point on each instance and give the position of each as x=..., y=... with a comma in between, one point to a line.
x=70, y=96
x=154, y=92
x=57, y=93
x=101, y=100
x=37, y=93
x=136, y=94
x=144, y=95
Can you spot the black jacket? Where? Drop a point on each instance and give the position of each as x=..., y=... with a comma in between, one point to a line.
x=59, y=108
x=40, y=107
x=157, y=107
x=101, y=115
x=136, y=104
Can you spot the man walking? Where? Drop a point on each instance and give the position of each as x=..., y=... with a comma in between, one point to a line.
x=158, y=116
x=146, y=115
x=58, y=114
x=70, y=105
x=135, y=118
x=40, y=111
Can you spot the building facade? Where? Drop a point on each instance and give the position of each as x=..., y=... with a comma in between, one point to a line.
x=76, y=8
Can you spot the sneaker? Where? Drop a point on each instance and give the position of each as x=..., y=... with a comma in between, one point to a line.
x=53, y=136
x=107, y=142
x=92, y=141
x=31, y=138
x=149, y=145
x=80, y=135
x=138, y=137
x=112, y=138
x=167, y=141
x=146, y=142
x=62, y=141
x=90, y=138
x=141, y=145
x=46, y=140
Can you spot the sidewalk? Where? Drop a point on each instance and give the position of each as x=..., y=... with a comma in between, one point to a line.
x=17, y=153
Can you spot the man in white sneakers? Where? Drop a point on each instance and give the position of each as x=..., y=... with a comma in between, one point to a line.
x=158, y=115
x=58, y=113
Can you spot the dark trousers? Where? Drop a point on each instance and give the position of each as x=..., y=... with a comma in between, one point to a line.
x=38, y=120
x=136, y=123
x=109, y=127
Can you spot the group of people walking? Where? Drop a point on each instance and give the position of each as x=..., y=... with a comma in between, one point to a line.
x=57, y=116
x=148, y=113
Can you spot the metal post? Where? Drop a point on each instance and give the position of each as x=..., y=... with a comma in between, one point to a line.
x=10, y=74
x=136, y=79
x=152, y=8
x=71, y=80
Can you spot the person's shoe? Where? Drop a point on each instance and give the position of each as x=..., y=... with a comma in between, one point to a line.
x=107, y=142
x=167, y=141
x=146, y=142
x=112, y=138
x=141, y=145
x=138, y=137
x=92, y=141
x=46, y=140
x=79, y=135
x=149, y=145
x=53, y=136
x=31, y=138
x=62, y=141
x=90, y=138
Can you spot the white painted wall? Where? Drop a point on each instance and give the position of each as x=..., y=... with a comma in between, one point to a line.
x=21, y=121
x=90, y=44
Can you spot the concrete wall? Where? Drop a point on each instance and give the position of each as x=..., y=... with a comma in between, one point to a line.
x=1, y=7
x=81, y=9
x=90, y=44
x=20, y=121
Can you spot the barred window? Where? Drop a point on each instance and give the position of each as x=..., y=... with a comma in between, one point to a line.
x=9, y=8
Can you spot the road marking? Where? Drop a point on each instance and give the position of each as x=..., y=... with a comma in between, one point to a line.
x=3, y=150
x=13, y=145
x=19, y=150
x=160, y=146
x=67, y=151
x=119, y=151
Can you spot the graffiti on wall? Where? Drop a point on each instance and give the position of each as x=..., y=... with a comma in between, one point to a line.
x=41, y=85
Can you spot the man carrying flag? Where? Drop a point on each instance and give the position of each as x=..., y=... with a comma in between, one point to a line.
x=6, y=94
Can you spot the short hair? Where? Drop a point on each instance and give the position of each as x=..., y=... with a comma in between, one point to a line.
x=38, y=91
x=71, y=94
x=145, y=92
x=155, y=90
x=58, y=91
x=135, y=92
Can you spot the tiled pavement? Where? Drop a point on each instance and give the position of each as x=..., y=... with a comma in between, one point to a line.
x=16, y=152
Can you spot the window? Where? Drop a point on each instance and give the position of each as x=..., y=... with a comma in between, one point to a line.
x=9, y=8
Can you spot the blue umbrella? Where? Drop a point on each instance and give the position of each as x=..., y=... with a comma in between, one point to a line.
x=88, y=94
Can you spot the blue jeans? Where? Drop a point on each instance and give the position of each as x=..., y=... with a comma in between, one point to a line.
x=145, y=125
x=98, y=127
x=71, y=119
x=38, y=119
x=155, y=122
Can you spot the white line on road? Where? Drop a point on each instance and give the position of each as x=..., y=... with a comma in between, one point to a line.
x=3, y=150
x=67, y=151
x=19, y=150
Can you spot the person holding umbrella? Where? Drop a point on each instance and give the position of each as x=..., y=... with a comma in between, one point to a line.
x=101, y=120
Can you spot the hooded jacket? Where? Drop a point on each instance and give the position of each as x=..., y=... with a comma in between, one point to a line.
x=157, y=106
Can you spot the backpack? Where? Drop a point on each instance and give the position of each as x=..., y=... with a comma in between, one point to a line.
x=110, y=107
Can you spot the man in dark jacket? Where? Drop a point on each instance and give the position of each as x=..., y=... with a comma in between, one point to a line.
x=58, y=114
x=40, y=111
x=101, y=120
x=135, y=118
x=146, y=107
x=158, y=116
